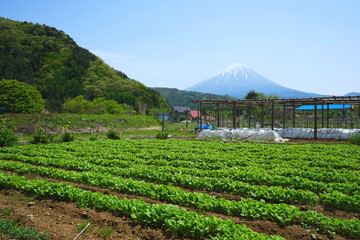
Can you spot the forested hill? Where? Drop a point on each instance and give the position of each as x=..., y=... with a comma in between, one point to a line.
x=178, y=97
x=51, y=61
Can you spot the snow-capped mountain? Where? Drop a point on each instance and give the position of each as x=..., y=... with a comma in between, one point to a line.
x=239, y=79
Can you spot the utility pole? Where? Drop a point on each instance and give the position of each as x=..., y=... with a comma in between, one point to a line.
x=187, y=118
x=163, y=120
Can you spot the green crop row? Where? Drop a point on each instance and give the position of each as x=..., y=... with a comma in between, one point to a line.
x=212, y=160
x=259, y=176
x=272, y=194
x=224, y=185
x=216, y=151
x=254, y=175
x=181, y=221
x=247, y=208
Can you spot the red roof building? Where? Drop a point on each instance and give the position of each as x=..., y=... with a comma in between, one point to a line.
x=195, y=115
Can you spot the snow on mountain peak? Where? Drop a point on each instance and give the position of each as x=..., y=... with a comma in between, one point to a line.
x=235, y=70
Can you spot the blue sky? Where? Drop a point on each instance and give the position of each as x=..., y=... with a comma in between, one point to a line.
x=312, y=46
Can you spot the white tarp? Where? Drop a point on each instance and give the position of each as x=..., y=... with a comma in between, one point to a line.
x=327, y=133
x=277, y=135
x=235, y=134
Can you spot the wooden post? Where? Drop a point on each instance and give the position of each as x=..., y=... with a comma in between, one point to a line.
x=294, y=115
x=315, y=121
x=322, y=115
x=200, y=116
x=344, y=115
x=249, y=116
x=327, y=115
x=234, y=116
x=187, y=118
x=284, y=115
x=163, y=121
x=262, y=116
x=218, y=115
x=272, y=115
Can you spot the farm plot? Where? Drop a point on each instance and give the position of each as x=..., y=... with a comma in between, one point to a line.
x=194, y=189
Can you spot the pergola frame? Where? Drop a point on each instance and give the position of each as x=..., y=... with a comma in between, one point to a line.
x=294, y=102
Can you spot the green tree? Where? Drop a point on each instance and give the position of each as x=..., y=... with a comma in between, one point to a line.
x=19, y=97
x=76, y=105
x=254, y=95
x=101, y=105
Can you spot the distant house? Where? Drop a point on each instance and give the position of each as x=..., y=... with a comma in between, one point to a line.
x=180, y=113
x=196, y=116
x=210, y=118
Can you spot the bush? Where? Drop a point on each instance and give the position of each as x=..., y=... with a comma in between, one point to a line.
x=19, y=97
x=93, y=138
x=68, y=137
x=162, y=135
x=7, y=136
x=76, y=105
x=42, y=137
x=113, y=134
x=355, y=139
x=97, y=106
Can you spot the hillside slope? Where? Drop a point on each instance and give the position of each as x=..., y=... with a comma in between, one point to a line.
x=178, y=97
x=52, y=61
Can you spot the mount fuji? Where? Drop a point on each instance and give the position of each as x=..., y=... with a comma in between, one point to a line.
x=238, y=79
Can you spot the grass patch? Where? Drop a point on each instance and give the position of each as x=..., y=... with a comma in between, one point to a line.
x=56, y=121
x=80, y=226
x=6, y=212
x=106, y=232
x=355, y=139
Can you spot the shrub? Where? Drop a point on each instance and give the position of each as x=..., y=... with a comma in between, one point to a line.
x=162, y=135
x=76, y=105
x=7, y=136
x=93, y=138
x=19, y=97
x=97, y=106
x=68, y=137
x=113, y=134
x=42, y=137
x=355, y=139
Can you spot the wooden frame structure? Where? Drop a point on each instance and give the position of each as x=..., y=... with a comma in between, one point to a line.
x=294, y=102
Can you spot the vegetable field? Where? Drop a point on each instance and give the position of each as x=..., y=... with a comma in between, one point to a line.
x=191, y=189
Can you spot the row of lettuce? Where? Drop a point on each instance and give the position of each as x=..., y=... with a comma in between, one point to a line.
x=328, y=175
x=238, y=180
x=181, y=221
x=246, y=208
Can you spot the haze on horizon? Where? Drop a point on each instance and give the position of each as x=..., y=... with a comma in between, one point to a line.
x=310, y=46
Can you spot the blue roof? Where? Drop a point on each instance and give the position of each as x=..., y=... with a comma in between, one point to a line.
x=332, y=106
